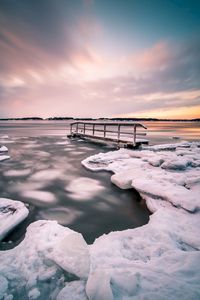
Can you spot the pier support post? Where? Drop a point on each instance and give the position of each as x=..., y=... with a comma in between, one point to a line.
x=134, y=135
x=118, y=132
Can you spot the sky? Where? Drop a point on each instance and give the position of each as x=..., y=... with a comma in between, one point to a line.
x=100, y=58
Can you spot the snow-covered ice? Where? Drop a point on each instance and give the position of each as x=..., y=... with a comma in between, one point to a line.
x=4, y=157
x=3, y=149
x=156, y=174
x=11, y=214
x=46, y=261
x=74, y=290
x=84, y=188
x=157, y=261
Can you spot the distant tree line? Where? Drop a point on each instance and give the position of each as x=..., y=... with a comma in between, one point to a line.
x=102, y=119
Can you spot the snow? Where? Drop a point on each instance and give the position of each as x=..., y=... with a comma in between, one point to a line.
x=74, y=290
x=11, y=214
x=3, y=149
x=156, y=174
x=46, y=261
x=158, y=260
x=84, y=188
x=154, y=261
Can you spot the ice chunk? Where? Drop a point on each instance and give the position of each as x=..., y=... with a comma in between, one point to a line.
x=34, y=294
x=11, y=214
x=3, y=149
x=74, y=290
x=48, y=254
x=62, y=143
x=4, y=137
x=176, y=194
x=62, y=215
x=71, y=254
x=155, y=204
x=4, y=157
x=84, y=188
x=41, y=196
x=3, y=286
x=173, y=146
x=17, y=173
x=101, y=291
x=176, y=164
x=48, y=174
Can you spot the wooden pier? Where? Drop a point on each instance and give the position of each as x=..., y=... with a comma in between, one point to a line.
x=126, y=133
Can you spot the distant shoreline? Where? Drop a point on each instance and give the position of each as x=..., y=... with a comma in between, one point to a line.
x=98, y=119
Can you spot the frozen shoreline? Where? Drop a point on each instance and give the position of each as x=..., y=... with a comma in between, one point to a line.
x=159, y=260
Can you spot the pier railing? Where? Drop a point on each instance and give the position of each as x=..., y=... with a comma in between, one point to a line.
x=120, y=132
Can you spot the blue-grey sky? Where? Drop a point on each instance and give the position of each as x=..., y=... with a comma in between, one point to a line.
x=94, y=58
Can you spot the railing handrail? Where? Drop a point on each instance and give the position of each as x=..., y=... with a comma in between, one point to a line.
x=110, y=124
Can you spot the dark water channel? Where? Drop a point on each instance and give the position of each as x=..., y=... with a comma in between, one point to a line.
x=46, y=173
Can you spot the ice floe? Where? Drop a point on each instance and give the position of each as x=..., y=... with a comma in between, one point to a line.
x=46, y=175
x=11, y=214
x=84, y=188
x=62, y=215
x=17, y=173
x=46, y=261
x=4, y=157
x=41, y=196
x=3, y=149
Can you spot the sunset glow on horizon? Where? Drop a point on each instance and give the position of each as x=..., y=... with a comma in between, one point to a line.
x=98, y=58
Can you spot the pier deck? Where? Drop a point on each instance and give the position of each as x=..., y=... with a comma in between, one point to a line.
x=127, y=133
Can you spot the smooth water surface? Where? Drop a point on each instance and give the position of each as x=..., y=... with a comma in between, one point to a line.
x=157, y=132
x=46, y=173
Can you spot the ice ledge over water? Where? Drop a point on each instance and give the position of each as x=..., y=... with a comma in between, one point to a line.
x=171, y=177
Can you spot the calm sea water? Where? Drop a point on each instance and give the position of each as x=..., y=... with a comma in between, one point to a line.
x=45, y=171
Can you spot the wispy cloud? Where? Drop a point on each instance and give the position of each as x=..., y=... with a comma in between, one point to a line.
x=50, y=54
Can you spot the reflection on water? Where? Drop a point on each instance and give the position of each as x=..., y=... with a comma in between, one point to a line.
x=164, y=132
x=45, y=171
x=48, y=175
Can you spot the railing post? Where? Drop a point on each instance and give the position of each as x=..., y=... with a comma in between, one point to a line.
x=70, y=128
x=134, y=135
x=76, y=127
x=93, y=129
x=84, y=128
x=104, y=131
x=118, y=132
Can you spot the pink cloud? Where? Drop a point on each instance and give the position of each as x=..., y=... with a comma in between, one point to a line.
x=155, y=58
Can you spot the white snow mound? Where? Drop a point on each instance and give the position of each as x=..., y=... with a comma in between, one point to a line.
x=11, y=214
